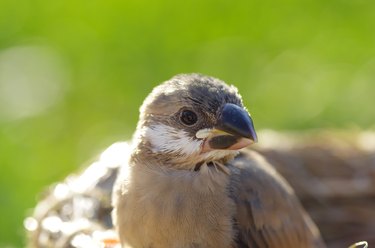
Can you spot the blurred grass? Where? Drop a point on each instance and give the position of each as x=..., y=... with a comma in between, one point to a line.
x=298, y=65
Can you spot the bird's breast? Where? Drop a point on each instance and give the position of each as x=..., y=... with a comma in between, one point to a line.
x=176, y=209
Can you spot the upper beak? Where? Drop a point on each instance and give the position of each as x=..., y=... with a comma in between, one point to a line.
x=234, y=130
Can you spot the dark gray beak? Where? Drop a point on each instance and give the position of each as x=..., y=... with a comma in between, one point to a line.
x=234, y=130
x=236, y=121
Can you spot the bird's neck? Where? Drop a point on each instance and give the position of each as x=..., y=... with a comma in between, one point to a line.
x=146, y=169
x=144, y=156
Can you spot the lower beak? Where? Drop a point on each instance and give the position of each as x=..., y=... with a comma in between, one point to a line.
x=234, y=130
x=224, y=141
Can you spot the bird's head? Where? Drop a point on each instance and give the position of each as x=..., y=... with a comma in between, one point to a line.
x=193, y=119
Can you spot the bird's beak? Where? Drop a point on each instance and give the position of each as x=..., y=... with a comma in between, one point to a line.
x=234, y=130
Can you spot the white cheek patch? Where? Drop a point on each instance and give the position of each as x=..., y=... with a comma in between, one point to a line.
x=167, y=139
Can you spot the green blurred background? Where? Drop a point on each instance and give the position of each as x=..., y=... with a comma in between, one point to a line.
x=73, y=74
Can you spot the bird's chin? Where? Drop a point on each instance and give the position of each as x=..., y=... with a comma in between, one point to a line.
x=222, y=156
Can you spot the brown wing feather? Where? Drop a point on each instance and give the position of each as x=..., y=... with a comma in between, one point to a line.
x=268, y=212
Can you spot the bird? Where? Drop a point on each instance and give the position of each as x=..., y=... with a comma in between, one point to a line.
x=189, y=182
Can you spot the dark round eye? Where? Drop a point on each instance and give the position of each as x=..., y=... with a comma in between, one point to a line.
x=188, y=117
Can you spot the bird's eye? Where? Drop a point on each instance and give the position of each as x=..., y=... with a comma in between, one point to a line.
x=188, y=117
